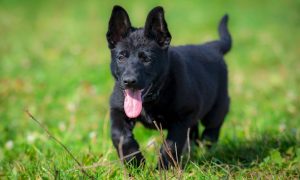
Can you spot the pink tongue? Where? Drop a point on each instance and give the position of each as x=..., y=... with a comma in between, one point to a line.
x=133, y=103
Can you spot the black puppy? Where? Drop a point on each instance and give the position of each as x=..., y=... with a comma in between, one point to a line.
x=174, y=86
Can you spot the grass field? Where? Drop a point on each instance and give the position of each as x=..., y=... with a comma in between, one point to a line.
x=54, y=61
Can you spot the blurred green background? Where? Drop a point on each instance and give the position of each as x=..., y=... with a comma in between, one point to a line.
x=54, y=61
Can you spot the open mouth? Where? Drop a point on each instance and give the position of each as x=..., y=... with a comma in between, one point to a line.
x=133, y=102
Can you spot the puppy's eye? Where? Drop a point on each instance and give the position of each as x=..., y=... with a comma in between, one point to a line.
x=144, y=57
x=122, y=56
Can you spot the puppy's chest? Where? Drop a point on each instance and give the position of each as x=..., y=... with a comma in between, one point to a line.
x=149, y=115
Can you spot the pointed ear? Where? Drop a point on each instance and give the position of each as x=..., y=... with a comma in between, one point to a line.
x=156, y=27
x=118, y=27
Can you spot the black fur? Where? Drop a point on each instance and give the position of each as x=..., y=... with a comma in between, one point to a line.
x=183, y=85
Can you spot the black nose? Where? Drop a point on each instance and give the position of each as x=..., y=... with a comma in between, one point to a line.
x=129, y=81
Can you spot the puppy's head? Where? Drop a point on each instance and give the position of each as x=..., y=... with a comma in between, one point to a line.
x=138, y=55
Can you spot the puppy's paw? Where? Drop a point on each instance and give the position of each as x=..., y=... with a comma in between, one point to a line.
x=137, y=161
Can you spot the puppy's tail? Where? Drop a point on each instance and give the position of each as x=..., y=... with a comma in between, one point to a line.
x=225, y=37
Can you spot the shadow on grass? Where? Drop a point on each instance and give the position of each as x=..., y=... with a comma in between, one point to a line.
x=248, y=153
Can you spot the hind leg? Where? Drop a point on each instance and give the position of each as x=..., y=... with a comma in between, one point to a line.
x=194, y=134
x=213, y=121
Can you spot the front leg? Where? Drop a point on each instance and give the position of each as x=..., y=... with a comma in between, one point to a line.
x=173, y=146
x=123, y=139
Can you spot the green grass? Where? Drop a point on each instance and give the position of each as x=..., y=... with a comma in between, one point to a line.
x=54, y=61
